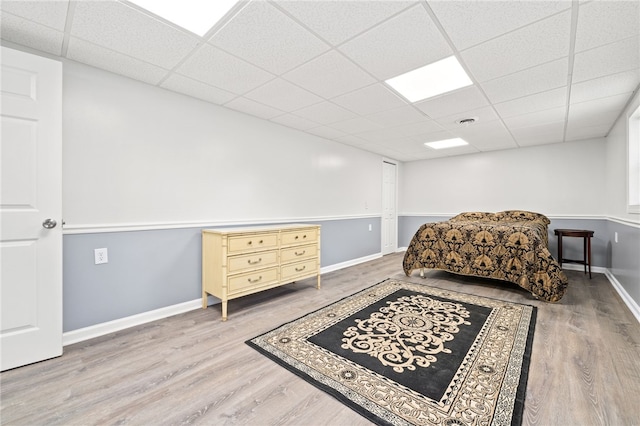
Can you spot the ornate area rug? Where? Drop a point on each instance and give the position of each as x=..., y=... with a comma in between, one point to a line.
x=407, y=354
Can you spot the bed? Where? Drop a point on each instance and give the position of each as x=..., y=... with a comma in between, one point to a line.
x=511, y=246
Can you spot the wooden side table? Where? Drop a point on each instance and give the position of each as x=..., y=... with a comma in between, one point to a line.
x=586, y=235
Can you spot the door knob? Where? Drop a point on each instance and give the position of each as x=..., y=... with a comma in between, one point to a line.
x=49, y=224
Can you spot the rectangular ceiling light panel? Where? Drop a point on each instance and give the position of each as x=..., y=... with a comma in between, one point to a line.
x=446, y=143
x=431, y=80
x=197, y=16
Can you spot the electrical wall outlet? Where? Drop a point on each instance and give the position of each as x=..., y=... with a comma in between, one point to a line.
x=615, y=235
x=369, y=227
x=101, y=256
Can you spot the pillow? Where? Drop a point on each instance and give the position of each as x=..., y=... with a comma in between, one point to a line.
x=478, y=216
x=522, y=215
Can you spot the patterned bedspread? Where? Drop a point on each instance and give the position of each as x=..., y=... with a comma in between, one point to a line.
x=510, y=246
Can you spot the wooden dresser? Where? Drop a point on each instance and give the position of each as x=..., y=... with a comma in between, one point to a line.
x=241, y=261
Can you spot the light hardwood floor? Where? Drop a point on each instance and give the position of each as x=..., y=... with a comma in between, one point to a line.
x=193, y=368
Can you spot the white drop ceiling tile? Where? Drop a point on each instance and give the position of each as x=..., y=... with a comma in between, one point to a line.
x=329, y=75
x=483, y=129
x=415, y=129
x=283, y=95
x=614, y=84
x=538, y=117
x=326, y=132
x=390, y=134
x=295, y=122
x=466, y=99
x=603, y=22
x=481, y=115
x=253, y=108
x=586, y=132
x=541, y=42
x=52, y=14
x=352, y=140
x=325, y=113
x=369, y=100
x=30, y=34
x=538, y=102
x=218, y=68
x=121, y=28
x=609, y=59
x=471, y=22
x=487, y=143
x=99, y=57
x=409, y=145
x=395, y=117
x=539, y=134
x=605, y=119
x=597, y=112
x=595, y=106
x=337, y=21
x=407, y=41
x=196, y=89
x=379, y=135
x=486, y=136
x=551, y=75
x=263, y=35
x=356, y=125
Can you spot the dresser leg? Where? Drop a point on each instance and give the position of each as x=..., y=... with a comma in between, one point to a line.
x=224, y=310
x=204, y=300
x=318, y=286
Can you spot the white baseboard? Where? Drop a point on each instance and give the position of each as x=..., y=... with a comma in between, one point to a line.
x=628, y=300
x=578, y=267
x=348, y=263
x=98, y=330
x=101, y=329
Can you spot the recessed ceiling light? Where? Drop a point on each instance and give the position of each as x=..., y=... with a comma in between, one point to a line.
x=197, y=16
x=447, y=143
x=431, y=80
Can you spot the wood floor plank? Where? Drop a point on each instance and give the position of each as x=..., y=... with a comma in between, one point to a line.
x=195, y=369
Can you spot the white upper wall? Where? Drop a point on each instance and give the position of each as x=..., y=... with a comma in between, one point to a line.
x=617, y=162
x=137, y=154
x=566, y=179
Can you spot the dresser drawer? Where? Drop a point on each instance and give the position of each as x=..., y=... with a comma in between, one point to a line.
x=299, y=236
x=252, y=242
x=242, y=282
x=252, y=261
x=293, y=270
x=294, y=254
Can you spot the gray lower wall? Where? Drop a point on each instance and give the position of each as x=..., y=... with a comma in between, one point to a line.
x=149, y=270
x=621, y=258
x=624, y=257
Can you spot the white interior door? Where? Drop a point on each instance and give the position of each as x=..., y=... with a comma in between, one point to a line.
x=30, y=206
x=389, y=217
